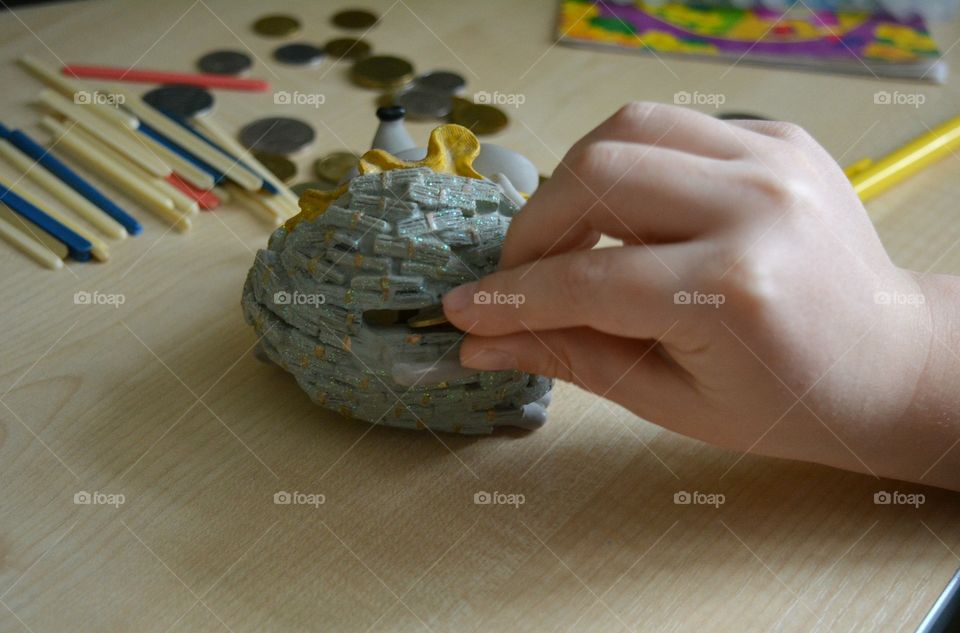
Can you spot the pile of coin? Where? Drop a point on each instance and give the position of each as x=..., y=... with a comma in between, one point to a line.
x=433, y=96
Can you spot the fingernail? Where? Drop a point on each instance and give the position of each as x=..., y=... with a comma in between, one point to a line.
x=490, y=359
x=460, y=298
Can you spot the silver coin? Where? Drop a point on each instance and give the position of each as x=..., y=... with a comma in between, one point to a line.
x=224, y=63
x=299, y=54
x=180, y=101
x=421, y=103
x=442, y=81
x=276, y=135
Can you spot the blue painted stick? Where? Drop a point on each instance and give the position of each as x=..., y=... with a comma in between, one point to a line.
x=266, y=186
x=52, y=164
x=79, y=246
x=159, y=137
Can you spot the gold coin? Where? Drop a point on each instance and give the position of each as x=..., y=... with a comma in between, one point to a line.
x=347, y=48
x=382, y=72
x=280, y=166
x=335, y=166
x=479, y=118
x=321, y=185
x=276, y=25
x=428, y=317
x=381, y=317
x=354, y=19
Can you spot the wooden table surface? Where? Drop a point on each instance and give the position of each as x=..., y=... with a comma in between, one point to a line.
x=160, y=400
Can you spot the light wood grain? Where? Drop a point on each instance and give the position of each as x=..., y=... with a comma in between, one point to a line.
x=161, y=400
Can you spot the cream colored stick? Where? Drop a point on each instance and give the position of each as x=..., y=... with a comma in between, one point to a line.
x=162, y=188
x=70, y=198
x=194, y=145
x=109, y=169
x=99, y=250
x=251, y=202
x=72, y=90
x=216, y=133
x=183, y=168
x=22, y=242
x=34, y=232
x=121, y=139
x=181, y=201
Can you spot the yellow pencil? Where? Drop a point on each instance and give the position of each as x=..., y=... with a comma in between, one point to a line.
x=870, y=178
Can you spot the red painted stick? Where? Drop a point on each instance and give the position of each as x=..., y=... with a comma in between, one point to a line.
x=116, y=73
x=205, y=199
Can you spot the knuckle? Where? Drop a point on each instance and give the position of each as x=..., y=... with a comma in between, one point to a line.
x=779, y=192
x=747, y=285
x=791, y=133
x=592, y=158
x=635, y=112
x=578, y=276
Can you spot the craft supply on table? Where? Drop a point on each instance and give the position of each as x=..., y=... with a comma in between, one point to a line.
x=15, y=198
x=86, y=152
x=100, y=103
x=354, y=19
x=277, y=135
x=276, y=25
x=870, y=178
x=802, y=38
x=116, y=73
x=70, y=198
x=50, y=162
x=225, y=63
x=30, y=247
x=299, y=54
x=35, y=233
x=121, y=139
x=180, y=100
x=347, y=48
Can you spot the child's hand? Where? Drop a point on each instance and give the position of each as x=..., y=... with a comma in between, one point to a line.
x=751, y=304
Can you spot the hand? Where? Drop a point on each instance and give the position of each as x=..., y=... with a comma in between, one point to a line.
x=751, y=303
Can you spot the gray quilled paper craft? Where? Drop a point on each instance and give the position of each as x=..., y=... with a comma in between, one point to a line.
x=346, y=296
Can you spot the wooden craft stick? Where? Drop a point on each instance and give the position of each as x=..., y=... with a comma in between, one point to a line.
x=129, y=182
x=120, y=139
x=223, y=193
x=45, y=157
x=252, y=203
x=205, y=198
x=194, y=145
x=22, y=242
x=70, y=198
x=181, y=166
x=70, y=89
x=100, y=251
x=118, y=73
x=34, y=232
x=181, y=201
x=215, y=132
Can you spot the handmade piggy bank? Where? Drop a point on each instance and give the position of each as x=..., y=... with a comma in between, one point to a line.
x=346, y=295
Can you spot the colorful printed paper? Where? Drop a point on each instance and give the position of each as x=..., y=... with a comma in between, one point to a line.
x=804, y=37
